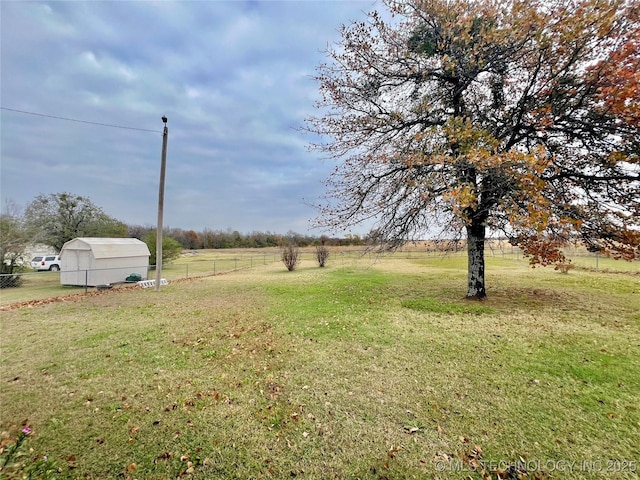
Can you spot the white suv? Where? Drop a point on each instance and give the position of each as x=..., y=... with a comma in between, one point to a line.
x=46, y=262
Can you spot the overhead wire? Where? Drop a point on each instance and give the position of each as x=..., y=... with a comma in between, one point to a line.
x=79, y=121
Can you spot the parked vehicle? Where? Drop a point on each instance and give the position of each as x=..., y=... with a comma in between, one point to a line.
x=46, y=262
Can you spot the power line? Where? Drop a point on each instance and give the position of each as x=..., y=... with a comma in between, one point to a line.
x=79, y=121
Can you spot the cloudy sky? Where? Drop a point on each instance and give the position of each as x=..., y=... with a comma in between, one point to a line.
x=233, y=78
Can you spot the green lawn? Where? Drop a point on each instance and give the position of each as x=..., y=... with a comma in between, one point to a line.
x=370, y=368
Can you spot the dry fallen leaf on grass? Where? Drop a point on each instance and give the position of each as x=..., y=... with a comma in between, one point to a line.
x=163, y=456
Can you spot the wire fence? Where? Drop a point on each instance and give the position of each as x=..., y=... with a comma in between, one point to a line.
x=577, y=257
x=196, y=267
x=45, y=284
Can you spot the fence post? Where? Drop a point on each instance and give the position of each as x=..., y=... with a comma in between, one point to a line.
x=86, y=280
x=214, y=267
x=187, y=270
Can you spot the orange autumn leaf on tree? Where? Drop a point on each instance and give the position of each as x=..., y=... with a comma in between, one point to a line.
x=619, y=75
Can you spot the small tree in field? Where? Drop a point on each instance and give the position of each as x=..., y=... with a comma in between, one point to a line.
x=471, y=116
x=290, y=256
x=322, y=254
x=171, y=248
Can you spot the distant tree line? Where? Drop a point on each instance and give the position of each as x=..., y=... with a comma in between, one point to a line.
x=209, y=239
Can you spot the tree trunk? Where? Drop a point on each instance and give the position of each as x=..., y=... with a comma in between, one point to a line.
x=475, y=252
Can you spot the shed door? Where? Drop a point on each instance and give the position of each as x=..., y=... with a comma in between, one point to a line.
x=83, y=265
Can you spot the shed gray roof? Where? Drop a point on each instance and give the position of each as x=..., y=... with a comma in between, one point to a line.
x=108, y=247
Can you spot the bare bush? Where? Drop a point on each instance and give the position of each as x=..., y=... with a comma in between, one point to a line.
x=290, y=256
x=322, y=254
x=564, y=266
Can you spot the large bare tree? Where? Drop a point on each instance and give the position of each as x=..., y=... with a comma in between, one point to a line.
x=515, y=116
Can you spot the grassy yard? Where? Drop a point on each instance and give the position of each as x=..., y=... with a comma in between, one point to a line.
x=373, y=368
x=44, y=285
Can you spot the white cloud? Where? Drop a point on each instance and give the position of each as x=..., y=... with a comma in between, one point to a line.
x=90, y=60
x=233, y=78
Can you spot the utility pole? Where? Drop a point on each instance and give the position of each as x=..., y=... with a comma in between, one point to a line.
x=163, y=166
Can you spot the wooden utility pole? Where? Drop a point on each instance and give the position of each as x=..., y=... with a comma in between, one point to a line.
x=163, y=166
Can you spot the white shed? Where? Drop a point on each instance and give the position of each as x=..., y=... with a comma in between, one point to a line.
x=101, y=261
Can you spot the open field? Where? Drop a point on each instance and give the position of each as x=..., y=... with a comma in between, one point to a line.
x=374, y=367
x=198, y=263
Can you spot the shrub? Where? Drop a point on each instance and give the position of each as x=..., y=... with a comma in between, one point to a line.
x=322, y=254
x=171, y=248
x=564, y=266
x=290, y=256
